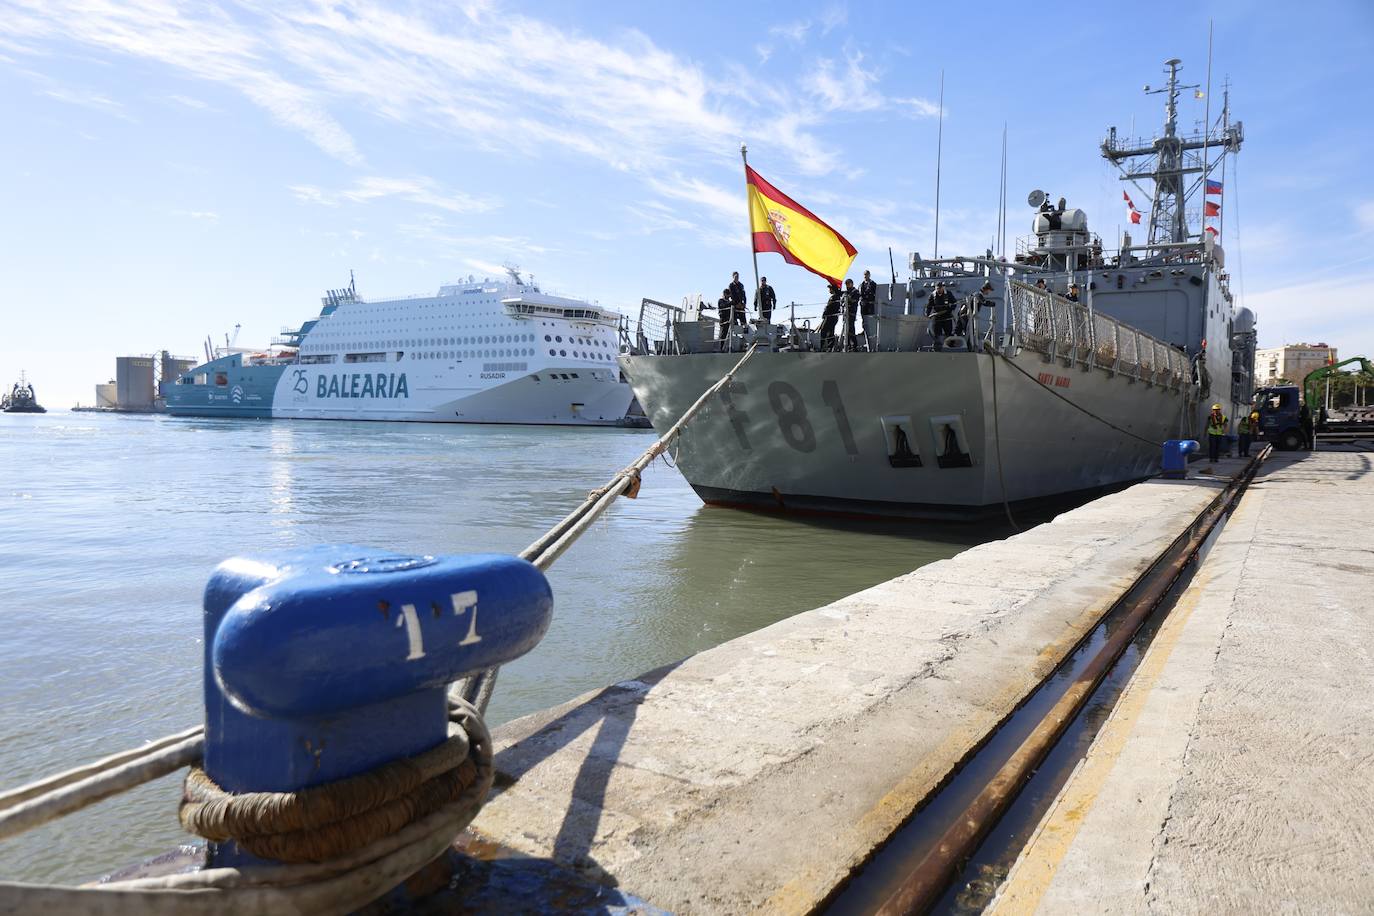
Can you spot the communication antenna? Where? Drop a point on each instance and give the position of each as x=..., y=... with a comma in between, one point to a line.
x=1002, y=200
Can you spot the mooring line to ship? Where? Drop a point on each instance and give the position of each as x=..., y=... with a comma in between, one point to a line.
x=1072, y=404
x=385, y=860
x=477, y=689
x=997, y=441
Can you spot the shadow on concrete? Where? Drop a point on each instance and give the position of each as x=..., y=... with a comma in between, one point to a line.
x=1337, y=464
x=611, y=713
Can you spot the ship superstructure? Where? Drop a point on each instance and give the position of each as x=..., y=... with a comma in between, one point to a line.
x=1064, y=377
x=479, y=351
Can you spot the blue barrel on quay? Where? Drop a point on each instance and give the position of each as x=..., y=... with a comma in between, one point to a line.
x=1176, y=452
x=327, y=662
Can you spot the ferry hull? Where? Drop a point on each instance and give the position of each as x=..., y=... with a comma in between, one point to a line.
x=576, y=397
x=248, y=392
x=815, y=431
x=547, y=398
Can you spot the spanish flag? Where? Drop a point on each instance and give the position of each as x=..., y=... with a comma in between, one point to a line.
x=778, y=223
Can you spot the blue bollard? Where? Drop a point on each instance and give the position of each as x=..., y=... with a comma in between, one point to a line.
x=1176, y=452
x=327, y=662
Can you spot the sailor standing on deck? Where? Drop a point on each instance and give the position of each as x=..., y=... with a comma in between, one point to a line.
x=764, y=300
x=831, y=316
x=725, y=307
x=868, y=303
x=940, y=311
x=851, y=309
x=981, y=300
x=1216, y=432
x=738, y=300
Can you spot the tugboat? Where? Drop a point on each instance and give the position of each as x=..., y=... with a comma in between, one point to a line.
x=21, y=399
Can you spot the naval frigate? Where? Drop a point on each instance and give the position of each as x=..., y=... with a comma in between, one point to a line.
x=1064, y=378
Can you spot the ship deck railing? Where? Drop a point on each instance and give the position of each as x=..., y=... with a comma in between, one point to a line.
x=1025, y=317
x=1073, y=334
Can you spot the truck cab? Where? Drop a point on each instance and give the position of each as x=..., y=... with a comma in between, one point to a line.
x=1280, y=410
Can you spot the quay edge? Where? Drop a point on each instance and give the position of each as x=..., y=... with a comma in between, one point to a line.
x=760, y=774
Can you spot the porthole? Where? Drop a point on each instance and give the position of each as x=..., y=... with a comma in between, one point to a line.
x=547, y=337
x=562, y=352
x=551, y=353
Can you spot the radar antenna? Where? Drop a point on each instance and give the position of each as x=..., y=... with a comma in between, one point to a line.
x=1169, y=160
x=513, y=271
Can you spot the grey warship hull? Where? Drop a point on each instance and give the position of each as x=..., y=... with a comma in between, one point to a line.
x=982, y=380
x=815, y=432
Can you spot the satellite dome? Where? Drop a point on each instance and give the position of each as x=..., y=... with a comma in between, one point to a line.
x=1243, y=322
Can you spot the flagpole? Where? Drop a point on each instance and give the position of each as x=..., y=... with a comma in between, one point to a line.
x=939, y=150
x=744, y=154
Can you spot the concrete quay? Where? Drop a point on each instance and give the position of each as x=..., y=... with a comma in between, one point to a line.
x=758, y=775
x=1236, y=774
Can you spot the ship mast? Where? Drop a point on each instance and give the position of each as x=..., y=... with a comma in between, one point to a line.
x=1170, y=161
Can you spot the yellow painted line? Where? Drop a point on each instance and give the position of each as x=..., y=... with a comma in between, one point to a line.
x=1035, y=870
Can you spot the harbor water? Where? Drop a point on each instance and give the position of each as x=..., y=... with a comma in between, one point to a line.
x=110, y=525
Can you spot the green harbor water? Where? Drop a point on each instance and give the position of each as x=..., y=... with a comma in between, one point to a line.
x=110, y=525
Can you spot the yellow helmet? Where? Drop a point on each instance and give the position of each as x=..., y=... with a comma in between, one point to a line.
x=1216, y=407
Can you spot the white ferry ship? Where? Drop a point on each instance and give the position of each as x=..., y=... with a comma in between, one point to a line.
x=481, y=351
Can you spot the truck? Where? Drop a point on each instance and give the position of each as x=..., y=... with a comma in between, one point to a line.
x=1286, y=420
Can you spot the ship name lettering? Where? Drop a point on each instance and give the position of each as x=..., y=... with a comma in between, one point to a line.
x=1049, y=379
x=362, y=385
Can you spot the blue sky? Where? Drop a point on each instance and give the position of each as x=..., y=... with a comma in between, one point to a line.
x=170, y=170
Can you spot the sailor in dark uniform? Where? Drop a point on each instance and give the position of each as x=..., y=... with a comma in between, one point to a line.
x=831, y=316
x=868, y=302
x=725, y=308
x=764, y=301
x=981, y=300
x=940, y=311
x=850, y=298
x=738, y=300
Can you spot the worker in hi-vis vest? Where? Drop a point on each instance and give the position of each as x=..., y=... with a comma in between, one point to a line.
x=1246, y=429
x=1216, y=432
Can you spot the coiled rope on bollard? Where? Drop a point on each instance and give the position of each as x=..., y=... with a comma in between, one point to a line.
x=343, y=883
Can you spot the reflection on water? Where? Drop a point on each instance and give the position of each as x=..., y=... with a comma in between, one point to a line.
x=110, y=525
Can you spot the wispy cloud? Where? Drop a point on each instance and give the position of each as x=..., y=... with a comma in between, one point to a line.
x=1364, y=216
x=87, y=99
x=188, y=102
x=207, y=43
x=1332, y=308
x=500, y=80
x=514, y=81
x=853, y=85
x=206, y=216
x=424, y=191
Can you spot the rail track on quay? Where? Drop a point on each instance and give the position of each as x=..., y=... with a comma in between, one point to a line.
x=1015, y=772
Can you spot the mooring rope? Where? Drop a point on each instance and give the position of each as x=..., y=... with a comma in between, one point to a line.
x=339, y=885
x=344, y=843
x=552, y=544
